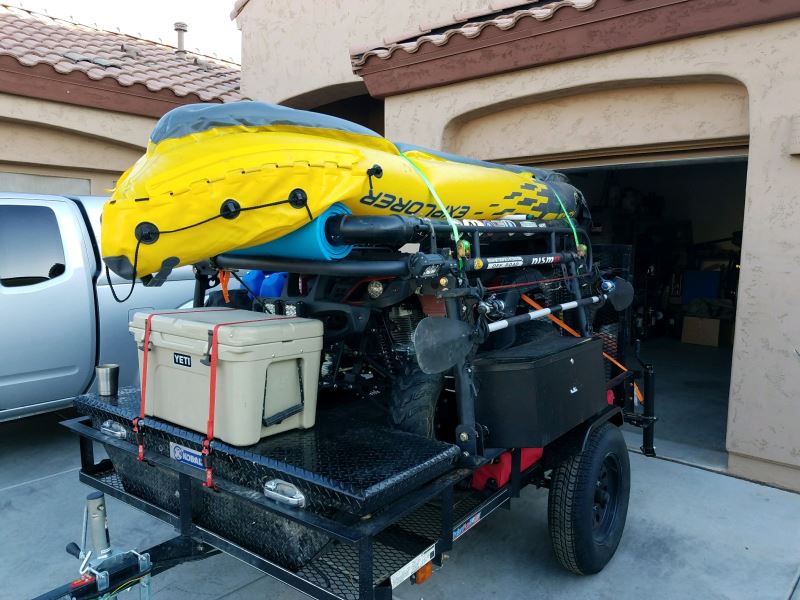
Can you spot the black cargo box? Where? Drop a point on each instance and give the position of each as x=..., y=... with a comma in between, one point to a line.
x=531, y=394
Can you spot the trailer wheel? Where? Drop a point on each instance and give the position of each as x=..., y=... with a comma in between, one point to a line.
x=412, y=400
x=588, y=502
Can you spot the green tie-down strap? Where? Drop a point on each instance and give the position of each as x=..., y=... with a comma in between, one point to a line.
x=435, y=197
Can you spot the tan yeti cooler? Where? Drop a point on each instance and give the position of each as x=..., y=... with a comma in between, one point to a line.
x=267, y=371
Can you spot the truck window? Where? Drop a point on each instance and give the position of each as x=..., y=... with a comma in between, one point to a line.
x=30, y=245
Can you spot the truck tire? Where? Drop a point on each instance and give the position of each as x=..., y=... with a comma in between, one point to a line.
x=412, y=400
x=588, y=502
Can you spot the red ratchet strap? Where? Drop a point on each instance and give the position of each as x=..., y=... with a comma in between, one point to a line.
x=212, y=393
x=147, y=327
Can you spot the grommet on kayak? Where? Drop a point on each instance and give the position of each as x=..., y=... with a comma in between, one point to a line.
x=223, y=177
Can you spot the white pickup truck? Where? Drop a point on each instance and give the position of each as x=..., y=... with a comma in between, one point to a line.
x=57, y=314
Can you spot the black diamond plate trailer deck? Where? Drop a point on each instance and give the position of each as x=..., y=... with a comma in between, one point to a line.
x=365, y=558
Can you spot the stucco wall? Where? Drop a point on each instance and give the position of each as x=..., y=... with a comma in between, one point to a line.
x=38, y=137
x=625, y=117
x=764, y=411
x=291, y=49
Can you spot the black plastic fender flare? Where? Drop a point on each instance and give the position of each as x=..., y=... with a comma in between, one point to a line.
x=574, y=441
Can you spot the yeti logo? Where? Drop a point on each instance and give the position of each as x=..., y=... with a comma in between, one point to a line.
x=183, y=360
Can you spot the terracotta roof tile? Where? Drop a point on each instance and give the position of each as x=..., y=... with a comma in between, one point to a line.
x=33, y=38
x=468, y=25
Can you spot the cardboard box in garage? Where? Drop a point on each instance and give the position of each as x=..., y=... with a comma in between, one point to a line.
x=707, y=332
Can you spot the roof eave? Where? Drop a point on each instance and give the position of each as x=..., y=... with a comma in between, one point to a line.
x=42, y=81
x=568, y=35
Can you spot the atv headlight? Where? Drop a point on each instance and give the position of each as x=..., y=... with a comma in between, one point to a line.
x=293, y=309
x=272, y=307
x=375, y=289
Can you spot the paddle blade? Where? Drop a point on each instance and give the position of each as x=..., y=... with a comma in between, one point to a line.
x=621, y=296
x=440, y=343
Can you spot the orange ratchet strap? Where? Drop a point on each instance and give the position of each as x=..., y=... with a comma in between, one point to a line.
x=224, y=279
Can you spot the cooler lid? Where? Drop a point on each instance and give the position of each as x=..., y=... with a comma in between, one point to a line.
x=260, y=328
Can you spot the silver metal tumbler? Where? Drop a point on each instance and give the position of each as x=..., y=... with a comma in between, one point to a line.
x=107, y=379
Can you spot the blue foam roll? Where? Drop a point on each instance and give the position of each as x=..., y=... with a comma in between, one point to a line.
x=308, y=242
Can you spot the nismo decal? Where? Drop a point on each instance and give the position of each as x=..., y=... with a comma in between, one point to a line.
x=504, y=262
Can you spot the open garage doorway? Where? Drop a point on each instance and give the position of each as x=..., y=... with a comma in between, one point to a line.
x=683, y=220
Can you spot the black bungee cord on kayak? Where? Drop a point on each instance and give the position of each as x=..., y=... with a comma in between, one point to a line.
x=133, y=280
x=148, y=233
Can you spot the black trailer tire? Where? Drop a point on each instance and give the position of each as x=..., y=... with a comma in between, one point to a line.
x=412, y=400
x=588, y=502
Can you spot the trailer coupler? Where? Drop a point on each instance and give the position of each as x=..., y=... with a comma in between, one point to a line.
x=106, y=571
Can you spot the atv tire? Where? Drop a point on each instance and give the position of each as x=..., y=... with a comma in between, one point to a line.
x=412, y=401
x=588, y=502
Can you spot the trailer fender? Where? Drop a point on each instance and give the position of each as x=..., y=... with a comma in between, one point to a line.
x=574, y=441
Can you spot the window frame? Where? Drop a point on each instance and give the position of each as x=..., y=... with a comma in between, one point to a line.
x=54, y=214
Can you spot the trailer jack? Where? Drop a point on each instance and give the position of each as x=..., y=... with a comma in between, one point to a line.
x=647, y=419
x=106, y=571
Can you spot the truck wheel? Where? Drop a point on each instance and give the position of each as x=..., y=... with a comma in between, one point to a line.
x=412, y=400
x=588, y=502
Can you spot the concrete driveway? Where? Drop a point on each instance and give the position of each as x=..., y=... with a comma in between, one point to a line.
x=691, y=533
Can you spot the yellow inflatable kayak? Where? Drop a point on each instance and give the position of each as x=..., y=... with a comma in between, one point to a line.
x=221, y=177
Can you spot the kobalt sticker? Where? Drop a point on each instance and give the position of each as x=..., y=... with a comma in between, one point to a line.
x=185, y=455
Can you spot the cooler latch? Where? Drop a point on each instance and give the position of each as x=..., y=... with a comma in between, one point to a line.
x=206, y=360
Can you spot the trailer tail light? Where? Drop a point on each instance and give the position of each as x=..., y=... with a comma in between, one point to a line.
x=82, y=581
x=423, y=573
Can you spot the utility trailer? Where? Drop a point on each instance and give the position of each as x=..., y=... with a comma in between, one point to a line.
x=479, y=406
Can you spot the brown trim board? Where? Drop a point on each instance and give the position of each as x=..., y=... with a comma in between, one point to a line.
x=43, y=82
x=611, y=25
